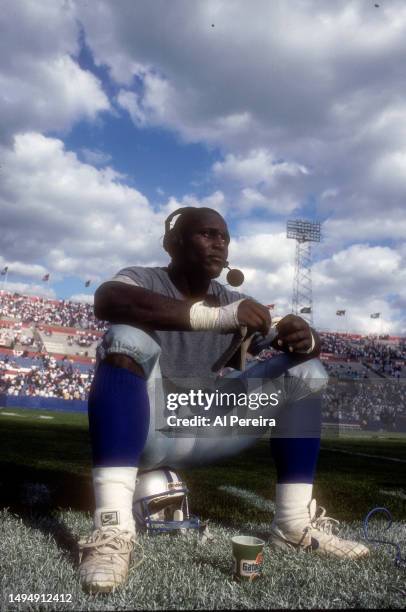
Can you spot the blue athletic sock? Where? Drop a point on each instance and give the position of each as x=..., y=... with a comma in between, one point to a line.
x=295, y=442
x=118, y=410
x=295, y=459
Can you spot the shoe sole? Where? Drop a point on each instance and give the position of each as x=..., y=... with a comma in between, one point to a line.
x=277, y=542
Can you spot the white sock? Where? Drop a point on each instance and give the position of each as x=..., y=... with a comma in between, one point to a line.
x=114, y=491
x=292, y=505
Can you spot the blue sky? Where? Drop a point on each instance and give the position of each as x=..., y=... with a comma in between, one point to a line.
x=112, y=117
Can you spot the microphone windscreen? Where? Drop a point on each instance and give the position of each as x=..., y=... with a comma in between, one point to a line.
x=235, y=277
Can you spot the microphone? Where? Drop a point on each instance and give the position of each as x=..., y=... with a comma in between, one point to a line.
x=235, y=277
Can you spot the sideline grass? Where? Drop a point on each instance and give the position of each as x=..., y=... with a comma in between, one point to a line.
x=39, y=530
x=178, y=573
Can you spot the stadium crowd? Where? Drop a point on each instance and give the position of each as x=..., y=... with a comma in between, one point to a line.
x=384, y=357
x=47, y=379
x=371, y=404
x=36, y=310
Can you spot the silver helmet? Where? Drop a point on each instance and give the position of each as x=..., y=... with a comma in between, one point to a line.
x=161, y=502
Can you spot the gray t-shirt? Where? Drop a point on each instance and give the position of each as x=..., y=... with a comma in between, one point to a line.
x=187, y=354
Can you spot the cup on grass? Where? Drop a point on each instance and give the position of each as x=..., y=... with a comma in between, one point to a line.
x=248, y=557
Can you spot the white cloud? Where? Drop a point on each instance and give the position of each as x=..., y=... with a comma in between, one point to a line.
x=214, y=200
x=82, y=221
x=314, y=84
x=259, y=166
x=82, y=297
x=22, y=268
x=43, y=87
x=262, y=251
x=29, y=289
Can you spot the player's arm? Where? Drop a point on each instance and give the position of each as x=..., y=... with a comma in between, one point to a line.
x=128, y=304
x=119, y=302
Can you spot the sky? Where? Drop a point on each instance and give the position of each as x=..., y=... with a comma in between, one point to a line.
x=114, y=114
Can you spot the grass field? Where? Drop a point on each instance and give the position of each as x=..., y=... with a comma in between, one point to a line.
x=46, y=501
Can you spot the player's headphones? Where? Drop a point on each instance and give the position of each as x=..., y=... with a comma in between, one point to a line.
x=172, y=239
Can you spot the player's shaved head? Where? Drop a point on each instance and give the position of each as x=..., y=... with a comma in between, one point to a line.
x=191, y=217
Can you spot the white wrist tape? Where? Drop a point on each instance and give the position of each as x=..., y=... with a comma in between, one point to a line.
x=223, y=318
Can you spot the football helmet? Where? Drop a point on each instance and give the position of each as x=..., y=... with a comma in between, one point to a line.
x=161, y=502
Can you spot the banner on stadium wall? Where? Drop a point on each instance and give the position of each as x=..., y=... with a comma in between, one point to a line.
x=42, y=403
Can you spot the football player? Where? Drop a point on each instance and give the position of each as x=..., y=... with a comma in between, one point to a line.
x=178, y=323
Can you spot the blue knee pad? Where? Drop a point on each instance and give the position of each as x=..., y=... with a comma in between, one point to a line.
x=118, y=410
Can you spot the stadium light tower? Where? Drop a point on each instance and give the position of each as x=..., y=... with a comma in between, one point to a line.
x=304, y=232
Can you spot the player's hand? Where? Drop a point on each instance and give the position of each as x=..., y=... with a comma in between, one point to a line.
x=254, y=316
x=293, y=334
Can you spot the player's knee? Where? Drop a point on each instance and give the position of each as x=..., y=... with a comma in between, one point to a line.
x=129, y=347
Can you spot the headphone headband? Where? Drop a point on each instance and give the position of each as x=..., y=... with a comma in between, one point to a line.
x=176, y=213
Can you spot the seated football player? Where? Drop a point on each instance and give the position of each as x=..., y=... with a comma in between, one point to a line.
x=177, y=324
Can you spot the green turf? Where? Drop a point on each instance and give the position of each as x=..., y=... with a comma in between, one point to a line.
x=45, y=484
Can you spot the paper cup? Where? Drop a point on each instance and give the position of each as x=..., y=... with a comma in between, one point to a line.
x=248, y=557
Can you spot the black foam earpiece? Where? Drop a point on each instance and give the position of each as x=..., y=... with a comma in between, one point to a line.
x=235, y=277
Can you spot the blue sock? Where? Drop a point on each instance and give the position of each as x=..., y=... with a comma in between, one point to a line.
x=118, y=410
x=295, y=444
x=295, y=459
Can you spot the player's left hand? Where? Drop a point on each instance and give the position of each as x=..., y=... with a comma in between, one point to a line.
x=294, y=334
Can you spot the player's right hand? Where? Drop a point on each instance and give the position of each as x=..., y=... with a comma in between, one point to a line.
x=254, y=316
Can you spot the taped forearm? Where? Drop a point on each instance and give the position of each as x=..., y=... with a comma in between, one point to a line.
x=222, y=319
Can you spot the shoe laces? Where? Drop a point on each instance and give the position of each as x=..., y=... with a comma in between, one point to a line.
x=321, y=522
x=111, y=540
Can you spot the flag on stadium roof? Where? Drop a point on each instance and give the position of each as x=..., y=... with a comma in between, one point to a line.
x=305, y=310
x=87, y=283
x=4, y=270
x=270, y=306
x=375, y=315
x=340, y=313
x=45, y=277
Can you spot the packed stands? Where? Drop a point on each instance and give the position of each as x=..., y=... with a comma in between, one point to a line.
x=44, y=311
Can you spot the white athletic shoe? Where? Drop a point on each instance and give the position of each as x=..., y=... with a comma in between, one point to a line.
x=104, y=559
x=317, y=536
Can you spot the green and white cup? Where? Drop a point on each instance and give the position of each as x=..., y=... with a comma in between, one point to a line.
x=248, y=557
